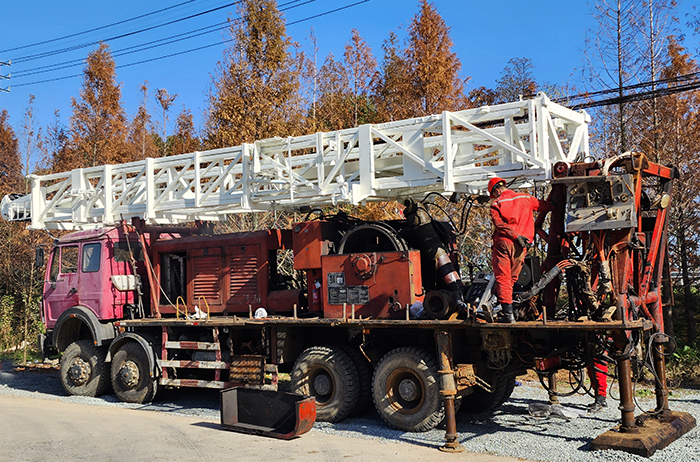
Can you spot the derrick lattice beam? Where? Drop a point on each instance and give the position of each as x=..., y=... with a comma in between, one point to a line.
x=452, y=151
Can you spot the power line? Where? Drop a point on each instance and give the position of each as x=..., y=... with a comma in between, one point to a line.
x=152, y=44
x=8, y=63
x=96, y=28
x=640, y=96
x=198, y=48
x=655, y=92
x=23, y=59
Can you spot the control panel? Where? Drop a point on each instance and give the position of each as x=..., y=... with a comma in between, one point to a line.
x=599, y=202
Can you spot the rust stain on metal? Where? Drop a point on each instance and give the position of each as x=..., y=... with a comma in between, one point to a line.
x=267, y=413
x=651, y=434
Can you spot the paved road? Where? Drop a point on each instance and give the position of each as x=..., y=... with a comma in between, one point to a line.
x=51, y=430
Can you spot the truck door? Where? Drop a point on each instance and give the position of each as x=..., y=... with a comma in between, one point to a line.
x=61, y=289
x=91, y=287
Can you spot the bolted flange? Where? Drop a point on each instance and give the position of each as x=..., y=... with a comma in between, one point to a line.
x=129, y=374
x=79, y=371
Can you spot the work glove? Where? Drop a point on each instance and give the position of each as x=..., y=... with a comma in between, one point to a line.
x=524, y=242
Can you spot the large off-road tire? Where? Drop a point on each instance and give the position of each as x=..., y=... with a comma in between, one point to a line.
x=328, y=374
x=83, y=370
x=406, y=390
x=364, y=378
x=482, y=401
x=131, y=376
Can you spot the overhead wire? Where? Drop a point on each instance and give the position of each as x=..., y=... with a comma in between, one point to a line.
x=152, y=44
x=693, y=78
x=23, y=59
x=95, y=29
x=308, y=18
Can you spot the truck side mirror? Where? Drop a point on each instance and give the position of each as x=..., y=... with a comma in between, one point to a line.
x=39, y=257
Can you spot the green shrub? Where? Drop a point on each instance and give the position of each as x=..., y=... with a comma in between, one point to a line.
x=684, y=366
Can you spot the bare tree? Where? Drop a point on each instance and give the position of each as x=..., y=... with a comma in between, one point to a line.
x=166, y=101
x=613, y=59
x=30, y=139
x=141, y=135
x=310, y=77
x=517, y=79
x=656, y=25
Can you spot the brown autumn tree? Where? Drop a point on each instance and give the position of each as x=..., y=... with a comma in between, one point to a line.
x=393, y=87
x=10, y=158
x=361, y=66
x=334, y=108
x=141, y=136
x=678, y=141
x=436, y=84
x=19, y=315
x=255, y=92
x=184, y=140
x=98, y=124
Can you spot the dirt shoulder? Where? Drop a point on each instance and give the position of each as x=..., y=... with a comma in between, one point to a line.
x=40, y=430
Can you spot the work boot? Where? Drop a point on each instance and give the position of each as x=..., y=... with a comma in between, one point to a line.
x=506, y=316
x=597, y=405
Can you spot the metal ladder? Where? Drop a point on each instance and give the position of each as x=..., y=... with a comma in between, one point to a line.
x=242, y=365
x=217, y=365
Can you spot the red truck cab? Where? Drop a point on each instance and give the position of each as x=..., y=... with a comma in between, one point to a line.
x=84, y=273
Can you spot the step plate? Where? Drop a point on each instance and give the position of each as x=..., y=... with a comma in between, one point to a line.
x=194, y=364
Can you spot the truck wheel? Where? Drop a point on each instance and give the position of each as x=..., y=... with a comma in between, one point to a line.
x=364, y=378
x=406, y=390
x=83, y=370
x=482, y=401
x=131, y=377
x=328, y=374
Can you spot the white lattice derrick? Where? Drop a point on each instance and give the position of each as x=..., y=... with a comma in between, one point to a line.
x=453, y=151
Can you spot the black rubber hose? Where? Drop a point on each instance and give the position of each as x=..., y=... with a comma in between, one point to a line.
x=541, y=284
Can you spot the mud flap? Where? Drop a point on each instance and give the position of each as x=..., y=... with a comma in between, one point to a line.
x=267, y=413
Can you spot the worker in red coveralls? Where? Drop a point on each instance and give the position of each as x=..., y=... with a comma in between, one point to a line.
x=598, y=373
x=513, y=234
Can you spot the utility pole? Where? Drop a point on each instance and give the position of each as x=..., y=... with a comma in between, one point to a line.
x=8, y=63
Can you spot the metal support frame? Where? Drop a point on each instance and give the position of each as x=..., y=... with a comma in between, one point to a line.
x=552, y=385
x=448, y=389
x=453, y=151
x=649, y=432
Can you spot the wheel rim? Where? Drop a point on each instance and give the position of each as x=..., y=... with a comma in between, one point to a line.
x=79, y=371
x=405, y=391
x=129, y=374
x=321, y=384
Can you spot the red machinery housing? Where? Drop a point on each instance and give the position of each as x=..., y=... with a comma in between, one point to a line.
x=352, y=268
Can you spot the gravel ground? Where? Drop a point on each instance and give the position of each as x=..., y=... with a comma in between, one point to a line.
x=510, y=431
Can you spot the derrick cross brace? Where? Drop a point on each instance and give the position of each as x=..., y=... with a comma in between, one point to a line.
x=444, y=153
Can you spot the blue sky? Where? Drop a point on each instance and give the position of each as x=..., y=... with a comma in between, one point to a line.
x=485, y=34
